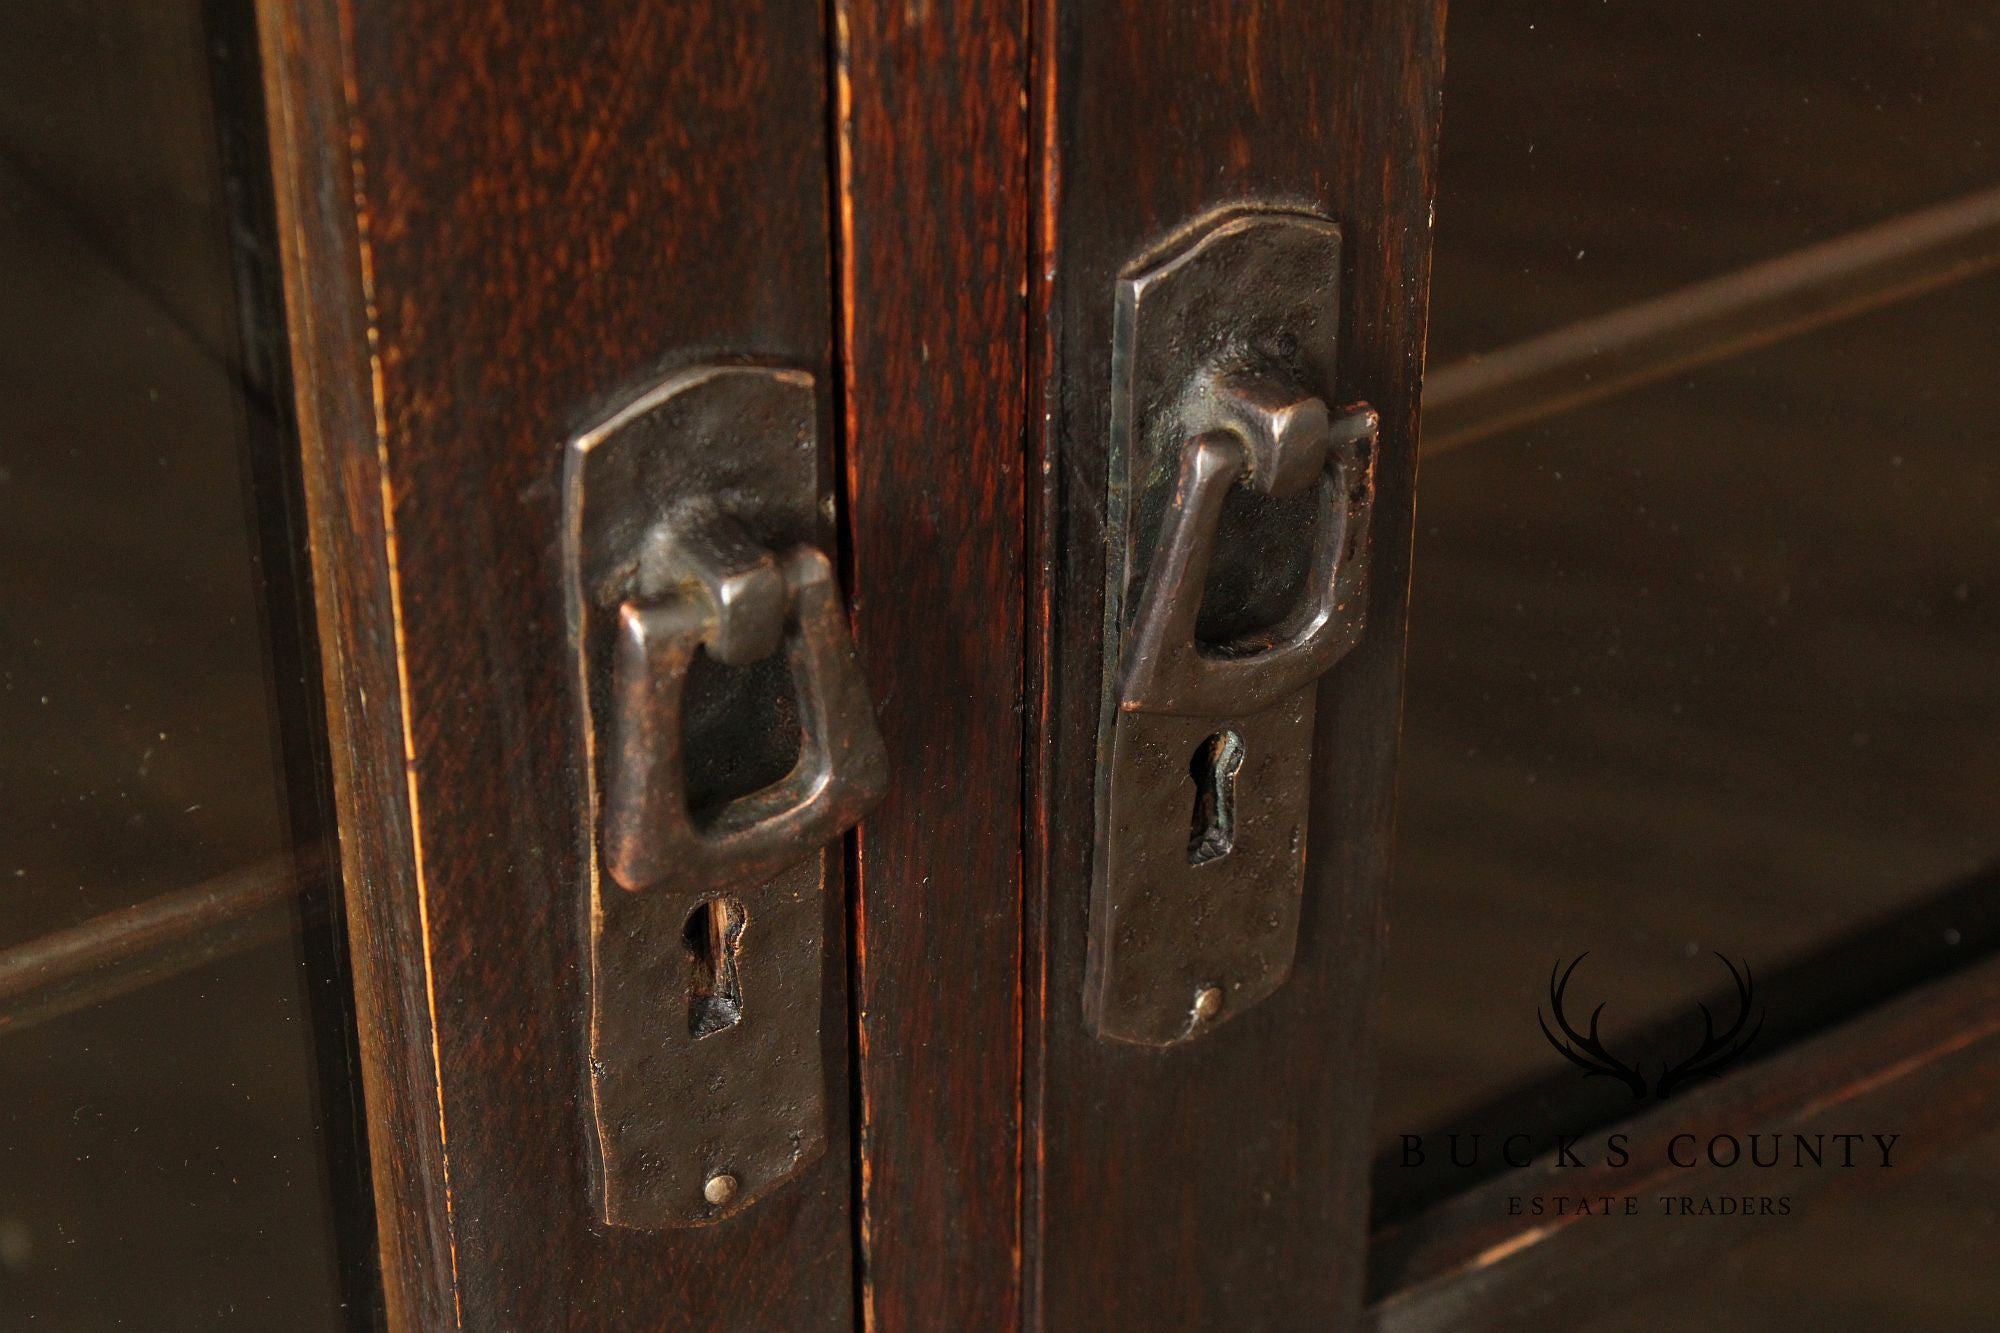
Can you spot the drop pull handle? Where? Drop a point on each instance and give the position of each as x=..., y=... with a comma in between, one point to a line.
x=727, y=738
x=1278, y=441
x=1237, y=576
x=651, y=836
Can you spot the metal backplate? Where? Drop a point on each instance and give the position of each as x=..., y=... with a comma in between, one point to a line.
x=1190, y=928
x=701, y=1102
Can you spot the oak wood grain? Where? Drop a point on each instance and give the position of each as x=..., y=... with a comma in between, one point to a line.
x=932, y=157
x=1223, y=1182
x=504, y=219
x=328, y=333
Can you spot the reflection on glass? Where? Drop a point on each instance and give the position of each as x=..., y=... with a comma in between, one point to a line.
x=162, y=1148
x=1706, y=666
x=1596, y=155
x=1912, y=1251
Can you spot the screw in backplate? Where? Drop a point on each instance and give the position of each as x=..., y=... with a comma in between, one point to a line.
x=1208, y=1002
x=720, y=1189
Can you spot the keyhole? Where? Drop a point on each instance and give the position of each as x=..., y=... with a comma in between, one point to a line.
x=715, y=988
x=1212, y=832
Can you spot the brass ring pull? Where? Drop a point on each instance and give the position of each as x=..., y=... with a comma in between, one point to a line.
x=1283, y=442
x=650, y=835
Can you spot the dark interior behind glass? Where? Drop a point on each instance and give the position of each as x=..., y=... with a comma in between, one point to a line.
x=1706, y=666
x=174, y=1148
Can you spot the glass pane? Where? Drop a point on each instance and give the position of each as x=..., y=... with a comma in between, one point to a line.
x=166, y=1153
x=1709, y=665
x=1914, y=1251
x=1595, y=154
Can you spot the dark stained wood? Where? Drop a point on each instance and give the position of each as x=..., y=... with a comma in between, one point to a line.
x=546, y=207
x=932, y=152
x=1923, y=1067
x=1711, y=321
x=275, y=465
x=1223, y=1183
x=328, y=328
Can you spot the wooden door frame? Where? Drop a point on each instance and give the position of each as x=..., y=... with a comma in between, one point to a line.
x=482, y=256
x=965, y=221
x=1223, y=1181
x=930, y=144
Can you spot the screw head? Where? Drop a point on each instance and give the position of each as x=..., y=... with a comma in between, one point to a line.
x=720, y=1189
x=1208, y=1002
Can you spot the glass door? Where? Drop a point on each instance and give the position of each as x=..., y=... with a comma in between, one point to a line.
x=1705, y=625
x=177, y=1142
